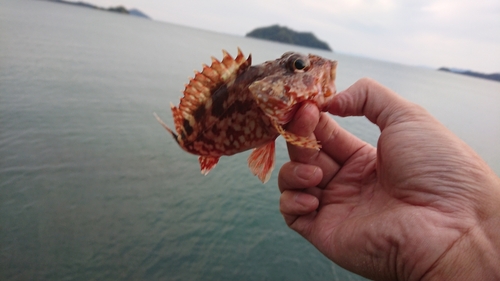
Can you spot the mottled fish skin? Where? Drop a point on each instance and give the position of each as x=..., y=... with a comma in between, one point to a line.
x=232, y=106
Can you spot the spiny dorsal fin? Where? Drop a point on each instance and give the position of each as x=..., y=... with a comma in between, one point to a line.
x=200, y=88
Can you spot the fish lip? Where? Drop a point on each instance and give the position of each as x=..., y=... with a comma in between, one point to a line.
x=330, y=89
x=333, y=70
x=326, y=87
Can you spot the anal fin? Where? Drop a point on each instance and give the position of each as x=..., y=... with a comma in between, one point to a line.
x=261, y=161
x=207, y=163
x=295, y=139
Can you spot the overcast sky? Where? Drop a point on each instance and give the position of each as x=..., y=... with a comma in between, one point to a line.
x=454, y=33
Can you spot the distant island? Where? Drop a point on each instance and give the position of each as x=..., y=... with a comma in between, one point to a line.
x=117, y=9
x=285, y=35
x=493, y=76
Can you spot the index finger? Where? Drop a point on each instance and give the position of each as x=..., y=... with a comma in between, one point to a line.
x=366, y=97
x=336, y=142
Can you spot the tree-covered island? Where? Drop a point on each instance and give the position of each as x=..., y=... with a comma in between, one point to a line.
x=285, y=35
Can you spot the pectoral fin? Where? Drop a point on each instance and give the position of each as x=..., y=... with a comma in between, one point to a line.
x=296, y=140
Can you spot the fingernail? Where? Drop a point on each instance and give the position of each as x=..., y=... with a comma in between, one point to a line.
x=304, y=199
x=307, y=105
x=305, y=172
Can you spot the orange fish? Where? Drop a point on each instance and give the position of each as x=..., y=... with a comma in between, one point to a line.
x=232, y=106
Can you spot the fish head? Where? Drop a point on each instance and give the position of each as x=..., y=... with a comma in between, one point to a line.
x=291, y=80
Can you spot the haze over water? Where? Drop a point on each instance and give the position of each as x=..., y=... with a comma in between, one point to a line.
x=93, y=188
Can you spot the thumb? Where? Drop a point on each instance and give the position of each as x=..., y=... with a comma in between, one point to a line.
x=369, y=98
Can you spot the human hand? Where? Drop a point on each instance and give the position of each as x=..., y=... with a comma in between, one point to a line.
x=422, y=205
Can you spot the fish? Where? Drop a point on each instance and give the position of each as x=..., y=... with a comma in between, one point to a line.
x=231, y=106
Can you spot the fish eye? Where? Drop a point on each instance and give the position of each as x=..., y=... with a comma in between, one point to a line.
x=299, y=64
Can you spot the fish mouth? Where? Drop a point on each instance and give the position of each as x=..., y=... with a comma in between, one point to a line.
x=325, y=86
x=333, y=70
x=329, y=87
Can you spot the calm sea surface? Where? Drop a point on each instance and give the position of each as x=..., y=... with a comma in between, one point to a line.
x=93, y=188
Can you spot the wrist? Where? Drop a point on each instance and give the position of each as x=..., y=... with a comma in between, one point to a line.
x=473, y=257
x=476, y=255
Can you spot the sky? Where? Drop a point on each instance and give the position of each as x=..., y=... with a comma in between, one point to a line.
x=462, y=34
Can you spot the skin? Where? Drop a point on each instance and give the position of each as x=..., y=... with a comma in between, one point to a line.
x=421, y=206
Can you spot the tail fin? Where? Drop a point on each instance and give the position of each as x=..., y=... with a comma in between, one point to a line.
x=166, y=127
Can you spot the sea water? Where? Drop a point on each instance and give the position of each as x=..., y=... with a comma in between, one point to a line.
x=93, y=188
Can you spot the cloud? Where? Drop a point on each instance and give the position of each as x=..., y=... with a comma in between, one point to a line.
x=456, y=33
